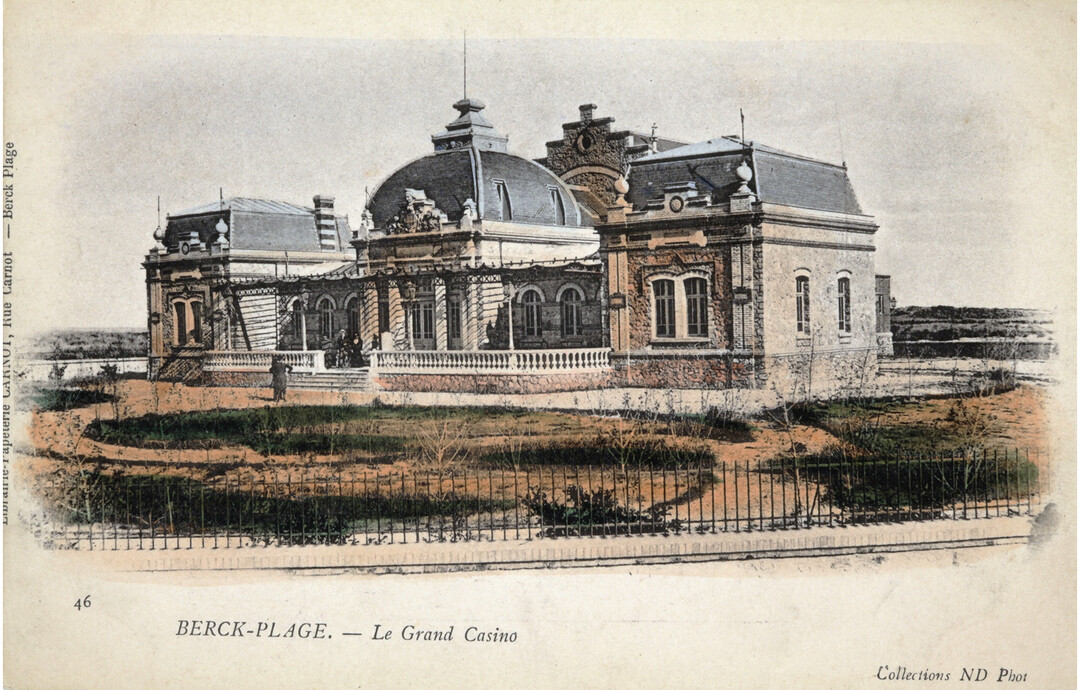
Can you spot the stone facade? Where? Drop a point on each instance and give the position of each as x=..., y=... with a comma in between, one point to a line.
x=720, y=264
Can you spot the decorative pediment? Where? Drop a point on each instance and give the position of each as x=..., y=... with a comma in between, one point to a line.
x=417, y=214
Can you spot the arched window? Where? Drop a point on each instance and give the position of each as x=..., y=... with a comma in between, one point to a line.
x=664, y=308
x=180, y=323
x=296, y=319
x=530, y=301
x=843, y=303
x=505, y=211
x=571, y=311
x=802, y=305
x=558, y=207
x=352, y=314
x=697, y=301
x=326, y=318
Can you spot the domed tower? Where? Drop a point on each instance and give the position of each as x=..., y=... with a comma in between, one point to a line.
x=442, y=220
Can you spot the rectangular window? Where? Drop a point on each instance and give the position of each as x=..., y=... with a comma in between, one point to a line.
x=181, y=323
x=843, y=303
x=802, y=305
x=196, y=322
x=429, y=320
x=453, y=319
x=384, y=315
x=664, y=308
x=697, y=315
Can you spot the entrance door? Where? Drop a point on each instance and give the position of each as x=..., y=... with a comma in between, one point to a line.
x=423, y=325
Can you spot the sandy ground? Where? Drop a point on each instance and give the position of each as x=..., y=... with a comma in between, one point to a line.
x=1017, y=420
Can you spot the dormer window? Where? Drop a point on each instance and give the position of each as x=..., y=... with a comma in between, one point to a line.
x=503, y=195
x=557, y=206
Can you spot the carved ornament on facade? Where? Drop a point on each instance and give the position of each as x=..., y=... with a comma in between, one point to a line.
x=418, y=214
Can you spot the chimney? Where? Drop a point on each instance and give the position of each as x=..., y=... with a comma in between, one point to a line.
x=325, y=222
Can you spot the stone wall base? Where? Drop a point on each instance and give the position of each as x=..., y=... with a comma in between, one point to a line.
x=488, y=383
x=682, y=371
x=237, y=379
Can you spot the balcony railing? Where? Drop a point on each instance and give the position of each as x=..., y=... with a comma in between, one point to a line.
x=259, y=360
x=490, y=361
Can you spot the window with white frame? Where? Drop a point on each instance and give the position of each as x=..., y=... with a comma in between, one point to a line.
x=697, y=303
x=530, y=303
x=843, y=303
x=664, y=307
x=571, y=300
x=802, y=305
x=680, y=307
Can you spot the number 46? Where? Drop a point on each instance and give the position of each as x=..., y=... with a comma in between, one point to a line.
x=83, y=603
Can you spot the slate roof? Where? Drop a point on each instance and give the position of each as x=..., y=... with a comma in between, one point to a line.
x=249, y=206
x=256, y=224
x=451, y=177
x=780, y=177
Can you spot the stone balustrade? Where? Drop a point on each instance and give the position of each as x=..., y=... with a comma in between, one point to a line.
x=490, y=361
x=259, y=360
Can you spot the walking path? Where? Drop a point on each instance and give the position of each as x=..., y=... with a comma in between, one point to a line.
x=571, y=552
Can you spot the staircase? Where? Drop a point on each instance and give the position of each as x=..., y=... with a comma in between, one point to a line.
x=338, y=380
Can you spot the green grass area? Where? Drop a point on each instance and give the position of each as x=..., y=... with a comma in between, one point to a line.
x=61, y=399
x=642, y=454
x=918, y=482
x=284, y=430
x=863, y=425
x=176, y=505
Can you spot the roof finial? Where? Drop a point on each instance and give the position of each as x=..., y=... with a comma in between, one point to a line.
x=742, y=122
x=221, y=197
x=465, y=63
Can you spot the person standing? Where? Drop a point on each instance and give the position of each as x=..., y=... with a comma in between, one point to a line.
x=279, y=375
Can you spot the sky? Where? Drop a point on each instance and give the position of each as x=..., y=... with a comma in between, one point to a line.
x=963, y=151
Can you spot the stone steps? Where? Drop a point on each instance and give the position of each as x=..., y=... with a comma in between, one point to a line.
x=333, y=380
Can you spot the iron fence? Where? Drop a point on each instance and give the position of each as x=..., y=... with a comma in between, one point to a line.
x=431, y=505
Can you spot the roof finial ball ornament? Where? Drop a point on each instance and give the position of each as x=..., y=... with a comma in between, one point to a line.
x=159, y=240
x=745, y=174
x=222, y=228
x=621, y=187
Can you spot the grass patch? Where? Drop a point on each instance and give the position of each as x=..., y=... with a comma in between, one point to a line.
x=580, y=455
x=62, y=399
x=177, y=505
x=267, y=430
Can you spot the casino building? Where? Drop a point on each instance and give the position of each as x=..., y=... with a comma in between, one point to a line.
x=618, y=259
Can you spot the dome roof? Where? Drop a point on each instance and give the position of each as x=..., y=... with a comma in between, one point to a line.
x=471, y=162
x=450, y=178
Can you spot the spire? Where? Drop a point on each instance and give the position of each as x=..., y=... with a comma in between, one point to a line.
x=471, y=128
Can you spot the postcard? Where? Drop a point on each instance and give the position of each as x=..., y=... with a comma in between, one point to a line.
x=603, y=345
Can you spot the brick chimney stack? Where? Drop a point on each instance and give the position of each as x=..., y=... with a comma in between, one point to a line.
x=325, y=222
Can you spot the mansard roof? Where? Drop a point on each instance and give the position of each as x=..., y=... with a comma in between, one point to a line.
x=779, y=177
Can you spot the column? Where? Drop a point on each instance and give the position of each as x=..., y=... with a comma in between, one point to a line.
x=442, y=341
x=470, y=311
x=398, y=326
x=369, y=313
